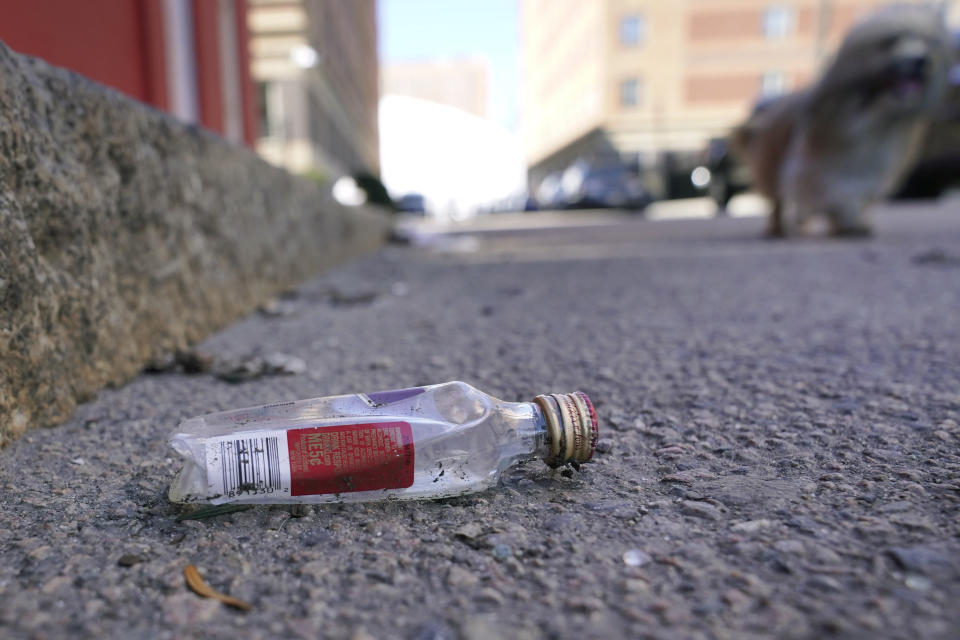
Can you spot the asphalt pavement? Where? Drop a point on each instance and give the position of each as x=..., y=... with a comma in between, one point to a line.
x=780, y=423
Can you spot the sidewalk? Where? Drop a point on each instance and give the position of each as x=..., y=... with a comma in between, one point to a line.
x=778, y=457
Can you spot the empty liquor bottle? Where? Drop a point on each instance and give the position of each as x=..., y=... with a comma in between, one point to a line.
x=426, y=442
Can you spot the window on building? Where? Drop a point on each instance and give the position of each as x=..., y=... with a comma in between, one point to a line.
x=630, y=92
x=270, y=105
x=778, y=22
x=632, y=30
x=262, y=107
x=773, y=83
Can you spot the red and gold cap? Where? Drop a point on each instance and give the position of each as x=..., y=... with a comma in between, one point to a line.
x=572, y=427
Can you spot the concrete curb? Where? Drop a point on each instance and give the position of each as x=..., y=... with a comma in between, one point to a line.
x=125, y=234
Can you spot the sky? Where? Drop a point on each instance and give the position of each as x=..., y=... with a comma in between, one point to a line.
x=458, y=161
x=425, y=29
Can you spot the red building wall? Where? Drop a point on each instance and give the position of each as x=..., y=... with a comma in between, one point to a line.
x=122, y=44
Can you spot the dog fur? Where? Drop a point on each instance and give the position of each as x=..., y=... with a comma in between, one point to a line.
x=838, y=146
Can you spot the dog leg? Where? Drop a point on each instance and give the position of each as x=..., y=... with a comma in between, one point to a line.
x=775, y=221
x=793, y=216
x=849, y=221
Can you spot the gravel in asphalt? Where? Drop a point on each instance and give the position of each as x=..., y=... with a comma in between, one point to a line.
x=779, y=451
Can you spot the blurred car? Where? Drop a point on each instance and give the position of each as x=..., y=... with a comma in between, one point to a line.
x=603, y=185
x=550, y=193
x=412, y=203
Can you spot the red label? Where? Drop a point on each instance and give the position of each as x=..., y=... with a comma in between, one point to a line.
x=350, y=457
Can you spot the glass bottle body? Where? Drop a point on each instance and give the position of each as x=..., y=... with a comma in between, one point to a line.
x=427, y=442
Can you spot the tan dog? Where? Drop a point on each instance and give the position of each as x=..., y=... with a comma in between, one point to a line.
x=838, y=146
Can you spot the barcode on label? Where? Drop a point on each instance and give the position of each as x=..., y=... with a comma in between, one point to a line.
x=256, y=464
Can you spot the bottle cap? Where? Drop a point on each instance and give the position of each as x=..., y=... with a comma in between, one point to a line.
x=572, y=427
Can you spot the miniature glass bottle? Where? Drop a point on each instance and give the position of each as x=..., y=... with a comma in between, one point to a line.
x=426, y=442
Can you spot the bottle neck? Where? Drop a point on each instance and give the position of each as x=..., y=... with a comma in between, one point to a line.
x=535, y=433
x=526, y=428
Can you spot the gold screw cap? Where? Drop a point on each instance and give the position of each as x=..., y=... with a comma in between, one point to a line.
x=572, y=427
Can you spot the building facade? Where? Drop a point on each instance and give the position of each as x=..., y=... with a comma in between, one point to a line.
x=462, y=83
x=316, y=71
x=187, y=57
x=641, y=78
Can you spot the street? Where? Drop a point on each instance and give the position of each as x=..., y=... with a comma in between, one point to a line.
x=778, y=457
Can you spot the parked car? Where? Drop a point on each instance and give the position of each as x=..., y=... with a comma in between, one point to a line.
x=550, y=193
x=603, y=185
x=412, y=203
